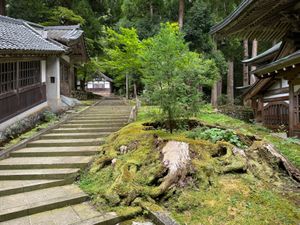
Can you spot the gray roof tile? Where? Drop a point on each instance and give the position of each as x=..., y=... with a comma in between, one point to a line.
x=18, y=35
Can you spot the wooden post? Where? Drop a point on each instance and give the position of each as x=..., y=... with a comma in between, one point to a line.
x=245, y=66
x=230, y=82
x=291, y=109
x=254, y=53
x=127, y=86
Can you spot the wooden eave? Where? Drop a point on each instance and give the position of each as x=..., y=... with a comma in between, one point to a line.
x=280, y=67
x=267, y=20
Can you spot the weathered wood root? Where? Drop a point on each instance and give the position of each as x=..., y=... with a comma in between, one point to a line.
x=291, y=169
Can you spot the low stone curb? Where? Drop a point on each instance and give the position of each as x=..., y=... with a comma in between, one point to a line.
x=159, y=216
x=5, y=153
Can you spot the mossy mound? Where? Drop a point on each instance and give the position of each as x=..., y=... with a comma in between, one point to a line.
x=224, y=185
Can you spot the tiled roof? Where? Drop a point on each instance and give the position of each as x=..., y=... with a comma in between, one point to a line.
x=17, y=35
x=64, y=34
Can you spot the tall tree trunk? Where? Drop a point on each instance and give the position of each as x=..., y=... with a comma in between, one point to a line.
x=151, y=10
x=3, y=7
x=127, y=86
x=230, y=82
x=245, y=67
x=254, y=53
x=219, y=88
x=181, y=14
x=214, y=95
x=135, y=90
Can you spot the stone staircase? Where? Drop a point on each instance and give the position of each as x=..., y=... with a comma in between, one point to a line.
x=36, y=182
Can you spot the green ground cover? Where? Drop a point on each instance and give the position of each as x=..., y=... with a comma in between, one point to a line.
x=214, y=192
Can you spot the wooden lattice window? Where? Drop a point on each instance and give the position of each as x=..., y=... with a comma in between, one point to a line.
x=8, y=77
x=29, y=73
x=276, y=114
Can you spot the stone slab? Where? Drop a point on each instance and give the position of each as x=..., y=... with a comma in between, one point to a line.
x=45, y=162
x=23, y=204
x=57, y=151
x=9, y=187
x=66, y=142
x=70, y=215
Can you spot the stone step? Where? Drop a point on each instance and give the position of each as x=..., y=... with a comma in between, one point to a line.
x=45, y=162
x=82, y=213
x=113, y=114
x=84, y=130
x=111, y=117
x=90, y=125
x=24, y=204
x=66, y=142
x=57, y=151
x=10, y=187
x=100, y=121
x=43, y=174
x=105, y=122
x=74, y=136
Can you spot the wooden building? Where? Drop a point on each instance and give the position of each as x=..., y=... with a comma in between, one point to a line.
x=34, y=66
x=275, y=96
x=100, y=83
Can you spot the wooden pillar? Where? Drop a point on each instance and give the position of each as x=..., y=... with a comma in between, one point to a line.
x=230, y=82
x=245, y=66
x=254, y=53
x=291, y=109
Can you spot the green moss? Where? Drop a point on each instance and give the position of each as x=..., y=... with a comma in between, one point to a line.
x=218, y=188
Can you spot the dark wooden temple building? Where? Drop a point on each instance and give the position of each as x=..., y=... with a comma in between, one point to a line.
x=37, y=66
x=275, y=96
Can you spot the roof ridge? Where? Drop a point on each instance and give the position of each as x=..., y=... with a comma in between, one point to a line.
x=62, y=27
x=10, y=19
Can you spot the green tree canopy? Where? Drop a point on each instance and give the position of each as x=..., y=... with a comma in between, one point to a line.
x=173, y=74
x=122, y=50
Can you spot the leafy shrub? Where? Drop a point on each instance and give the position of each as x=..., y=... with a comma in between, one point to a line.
x=49, y=116
x=216, y=134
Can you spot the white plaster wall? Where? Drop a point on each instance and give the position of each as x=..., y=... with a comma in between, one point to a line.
x=276, y=96
x=43, y=71
x=23, y=115
x=53, y=89
x=285, y=83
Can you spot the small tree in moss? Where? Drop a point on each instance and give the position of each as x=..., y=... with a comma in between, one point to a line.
x=173, y=74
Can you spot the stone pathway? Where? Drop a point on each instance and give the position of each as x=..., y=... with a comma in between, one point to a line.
x=36, y=182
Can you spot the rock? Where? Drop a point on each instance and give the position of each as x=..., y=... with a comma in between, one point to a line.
x=113, y=162
x=123, y=149
x=69, y=102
